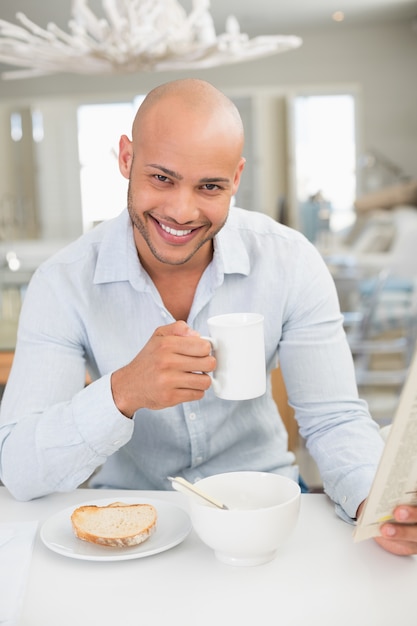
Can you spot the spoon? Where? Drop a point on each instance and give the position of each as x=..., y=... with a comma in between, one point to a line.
x=180, y=484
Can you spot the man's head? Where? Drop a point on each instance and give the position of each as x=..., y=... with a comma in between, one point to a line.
x=196, y=95
x=184, y=165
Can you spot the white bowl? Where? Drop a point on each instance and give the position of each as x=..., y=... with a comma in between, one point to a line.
x=263, y=512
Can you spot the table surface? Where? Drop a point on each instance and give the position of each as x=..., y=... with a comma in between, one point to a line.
x=319, y=577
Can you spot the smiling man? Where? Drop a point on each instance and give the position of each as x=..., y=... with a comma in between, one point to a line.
x=176, y=210
x=129, y=303
x=178, y=200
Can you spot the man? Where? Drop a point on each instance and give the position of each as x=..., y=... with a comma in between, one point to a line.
x=130, y=301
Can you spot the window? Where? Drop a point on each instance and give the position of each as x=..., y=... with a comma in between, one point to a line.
x=103, y=188
x=325, y=156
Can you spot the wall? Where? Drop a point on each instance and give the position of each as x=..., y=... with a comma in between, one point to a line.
x=380, y=60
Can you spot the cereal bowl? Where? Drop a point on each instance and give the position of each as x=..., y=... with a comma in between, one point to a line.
x=262, y=512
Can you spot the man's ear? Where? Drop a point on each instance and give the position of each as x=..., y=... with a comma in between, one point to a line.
x=238, y=174
x=125, y=156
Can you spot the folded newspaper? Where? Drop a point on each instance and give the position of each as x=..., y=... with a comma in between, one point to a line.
x=396, y=477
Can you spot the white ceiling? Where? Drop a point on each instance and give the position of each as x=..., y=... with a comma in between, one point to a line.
x=255, y=16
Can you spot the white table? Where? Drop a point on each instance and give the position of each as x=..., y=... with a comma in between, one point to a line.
x=320, y=578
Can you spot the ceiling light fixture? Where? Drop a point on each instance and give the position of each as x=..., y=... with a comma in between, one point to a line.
x=338, y=16
x=133, y=36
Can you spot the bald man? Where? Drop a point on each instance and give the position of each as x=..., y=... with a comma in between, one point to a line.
x=129, y=303
x=178, y=200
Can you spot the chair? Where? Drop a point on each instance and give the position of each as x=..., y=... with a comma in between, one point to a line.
x=382, y=332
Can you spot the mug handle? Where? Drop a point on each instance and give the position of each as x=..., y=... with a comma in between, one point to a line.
x=214, y=344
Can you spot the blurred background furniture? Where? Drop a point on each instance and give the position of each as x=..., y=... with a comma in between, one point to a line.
x=379, y=239
x=382, y=336
x=375, y=271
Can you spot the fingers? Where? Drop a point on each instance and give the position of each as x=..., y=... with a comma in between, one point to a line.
x=187, y=388
x=400, y=537
x=179, y=328
x=188, y=353
x=406, y=514
x=181, y=339
x=170, y=369
x=400, y=548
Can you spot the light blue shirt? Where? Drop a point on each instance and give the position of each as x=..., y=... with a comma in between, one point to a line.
x=93, y=306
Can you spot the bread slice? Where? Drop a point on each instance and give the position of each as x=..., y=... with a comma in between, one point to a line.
x=115, y=524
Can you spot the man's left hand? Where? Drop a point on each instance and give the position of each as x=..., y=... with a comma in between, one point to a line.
x=400, y=537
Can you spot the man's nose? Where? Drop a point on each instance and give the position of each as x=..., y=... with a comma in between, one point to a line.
x=183, y=206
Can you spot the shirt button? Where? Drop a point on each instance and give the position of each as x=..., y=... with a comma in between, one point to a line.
x=164, y=314
x=116, y=443
x=199, y=459
x=192, y=416
x=344, y=499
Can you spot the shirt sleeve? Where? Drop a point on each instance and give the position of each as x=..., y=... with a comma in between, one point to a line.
x=47, y=387
x=319, y=374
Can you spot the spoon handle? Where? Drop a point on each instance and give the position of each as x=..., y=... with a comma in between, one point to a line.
x=180, y=484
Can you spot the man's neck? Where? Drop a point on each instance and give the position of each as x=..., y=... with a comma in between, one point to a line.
x=177, y=284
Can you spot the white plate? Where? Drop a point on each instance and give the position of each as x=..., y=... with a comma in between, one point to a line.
x=173, y=526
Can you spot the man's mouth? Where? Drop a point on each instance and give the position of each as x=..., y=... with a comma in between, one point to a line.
x=174, y=231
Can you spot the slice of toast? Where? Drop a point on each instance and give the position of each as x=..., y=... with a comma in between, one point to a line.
x=117, y=524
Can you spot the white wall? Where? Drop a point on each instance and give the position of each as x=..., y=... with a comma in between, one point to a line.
x=59, y=177
x=380, y=60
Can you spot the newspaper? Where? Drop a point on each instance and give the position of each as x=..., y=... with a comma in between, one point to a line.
x=395, y=481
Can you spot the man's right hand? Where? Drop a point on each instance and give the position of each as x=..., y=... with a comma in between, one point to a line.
x=165, y=372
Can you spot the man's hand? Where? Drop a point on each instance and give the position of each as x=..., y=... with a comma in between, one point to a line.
x=171, y=368
x=399, y=537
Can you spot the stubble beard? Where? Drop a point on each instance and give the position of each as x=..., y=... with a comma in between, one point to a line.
x=141, y=228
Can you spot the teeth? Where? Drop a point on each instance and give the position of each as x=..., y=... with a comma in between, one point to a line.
x=173, y=231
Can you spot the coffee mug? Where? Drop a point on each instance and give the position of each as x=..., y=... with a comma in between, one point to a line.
x=238, y=344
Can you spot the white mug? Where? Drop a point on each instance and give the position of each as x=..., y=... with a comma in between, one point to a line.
x=238, y=345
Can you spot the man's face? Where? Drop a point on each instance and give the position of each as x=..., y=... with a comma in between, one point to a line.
x=182, y=176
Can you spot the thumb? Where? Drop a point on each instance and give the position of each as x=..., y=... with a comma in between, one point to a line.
x=179, y=328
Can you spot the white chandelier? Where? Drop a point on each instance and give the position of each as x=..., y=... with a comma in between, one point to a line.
x=134, y=35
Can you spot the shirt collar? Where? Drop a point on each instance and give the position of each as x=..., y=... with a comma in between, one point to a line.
x=230, y=247
x=117, y=258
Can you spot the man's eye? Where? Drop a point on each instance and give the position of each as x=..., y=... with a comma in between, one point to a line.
x=211, y=186
x=161, y=178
